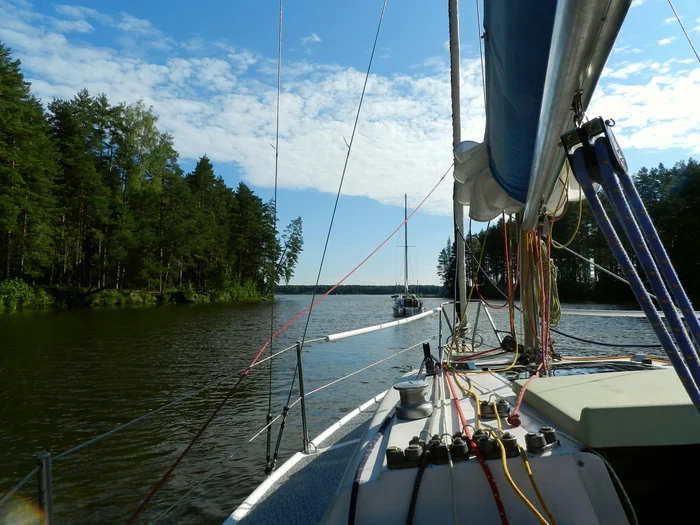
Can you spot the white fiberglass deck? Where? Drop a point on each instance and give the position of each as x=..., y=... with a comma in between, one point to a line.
x=575, y=483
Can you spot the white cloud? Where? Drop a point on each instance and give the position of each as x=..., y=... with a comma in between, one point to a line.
x=308, y=41
x=626, y=70
x=135, y=25
x=436, y=63
x=75, y=11
x=655, y=115
x=670, y=20
x=78, y=26
x=311, y=39
x=637, y=3
x=220, y=100
x=666, y=41
x=623, y=50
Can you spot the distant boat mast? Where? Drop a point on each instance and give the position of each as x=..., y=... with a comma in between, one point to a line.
x=405, y=226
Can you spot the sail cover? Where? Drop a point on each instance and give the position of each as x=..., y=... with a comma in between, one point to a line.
x=517, y=42
x=538, y=55
x=495, y=174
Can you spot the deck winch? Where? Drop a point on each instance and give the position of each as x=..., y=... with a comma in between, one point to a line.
x=413, y=404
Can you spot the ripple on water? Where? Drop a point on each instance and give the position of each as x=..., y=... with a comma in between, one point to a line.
x=69, y=377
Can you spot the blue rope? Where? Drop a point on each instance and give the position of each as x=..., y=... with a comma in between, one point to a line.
x=581, y=172
x=640, y=247
x=657, y=248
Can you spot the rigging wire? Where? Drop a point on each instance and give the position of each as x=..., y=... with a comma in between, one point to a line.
x=687, y=36
x=581, y=339
x=272, y=302
x=330, y=226
x=481, y=53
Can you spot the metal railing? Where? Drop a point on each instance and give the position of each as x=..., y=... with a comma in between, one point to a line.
x=44, y=459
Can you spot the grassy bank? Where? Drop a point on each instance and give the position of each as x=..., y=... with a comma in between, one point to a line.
x=16, y=294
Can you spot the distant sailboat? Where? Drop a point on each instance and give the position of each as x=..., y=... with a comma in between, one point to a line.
x=406, y=304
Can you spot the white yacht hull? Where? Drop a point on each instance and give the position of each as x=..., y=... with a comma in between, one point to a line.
x=407, y=311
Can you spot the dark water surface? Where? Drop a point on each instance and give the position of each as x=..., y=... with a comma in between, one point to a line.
x=67, y=377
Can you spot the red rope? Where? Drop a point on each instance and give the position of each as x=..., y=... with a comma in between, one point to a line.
x=162, y=481
x=479, y=457
x=514, y=419
x=478, y=292
x=467, y=358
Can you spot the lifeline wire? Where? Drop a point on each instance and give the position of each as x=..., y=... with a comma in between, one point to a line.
x=221, y=463
x=256, y=360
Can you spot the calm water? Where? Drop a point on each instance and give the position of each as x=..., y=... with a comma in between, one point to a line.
x=65, y=378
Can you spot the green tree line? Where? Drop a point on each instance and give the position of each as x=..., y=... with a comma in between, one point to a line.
x=672, y=198
x=92, y=199
x=359, y=289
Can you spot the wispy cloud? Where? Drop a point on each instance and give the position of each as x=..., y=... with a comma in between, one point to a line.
x=670, y=20
x=75, y=11
x=308, y=41
x=218, y=99
x=311, y=39
x=626, y=71
x=623, y=50
x=78, y=26
x=637, y=3
x=666, y=41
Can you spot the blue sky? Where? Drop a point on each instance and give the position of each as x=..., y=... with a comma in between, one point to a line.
x=208, y=69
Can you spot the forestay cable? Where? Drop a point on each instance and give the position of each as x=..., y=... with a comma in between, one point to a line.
x=274, y=268
x=330, y=229
x=687, y=36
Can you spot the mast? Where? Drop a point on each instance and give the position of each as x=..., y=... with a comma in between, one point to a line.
x=405, y=230
x=457, y=208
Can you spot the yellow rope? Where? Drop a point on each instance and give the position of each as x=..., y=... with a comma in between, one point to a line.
x=523, y=455
x=468, y=391
x=522, y=496
x=472, y=394
x=498, y=417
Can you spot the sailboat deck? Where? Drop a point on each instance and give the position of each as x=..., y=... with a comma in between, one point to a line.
x=574, y=482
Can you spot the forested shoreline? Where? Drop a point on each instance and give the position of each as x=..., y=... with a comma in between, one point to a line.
x=95, y=210
x=427, y=290
x=672, y=199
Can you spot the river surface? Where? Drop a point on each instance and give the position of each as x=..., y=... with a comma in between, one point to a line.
x=67, y=377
